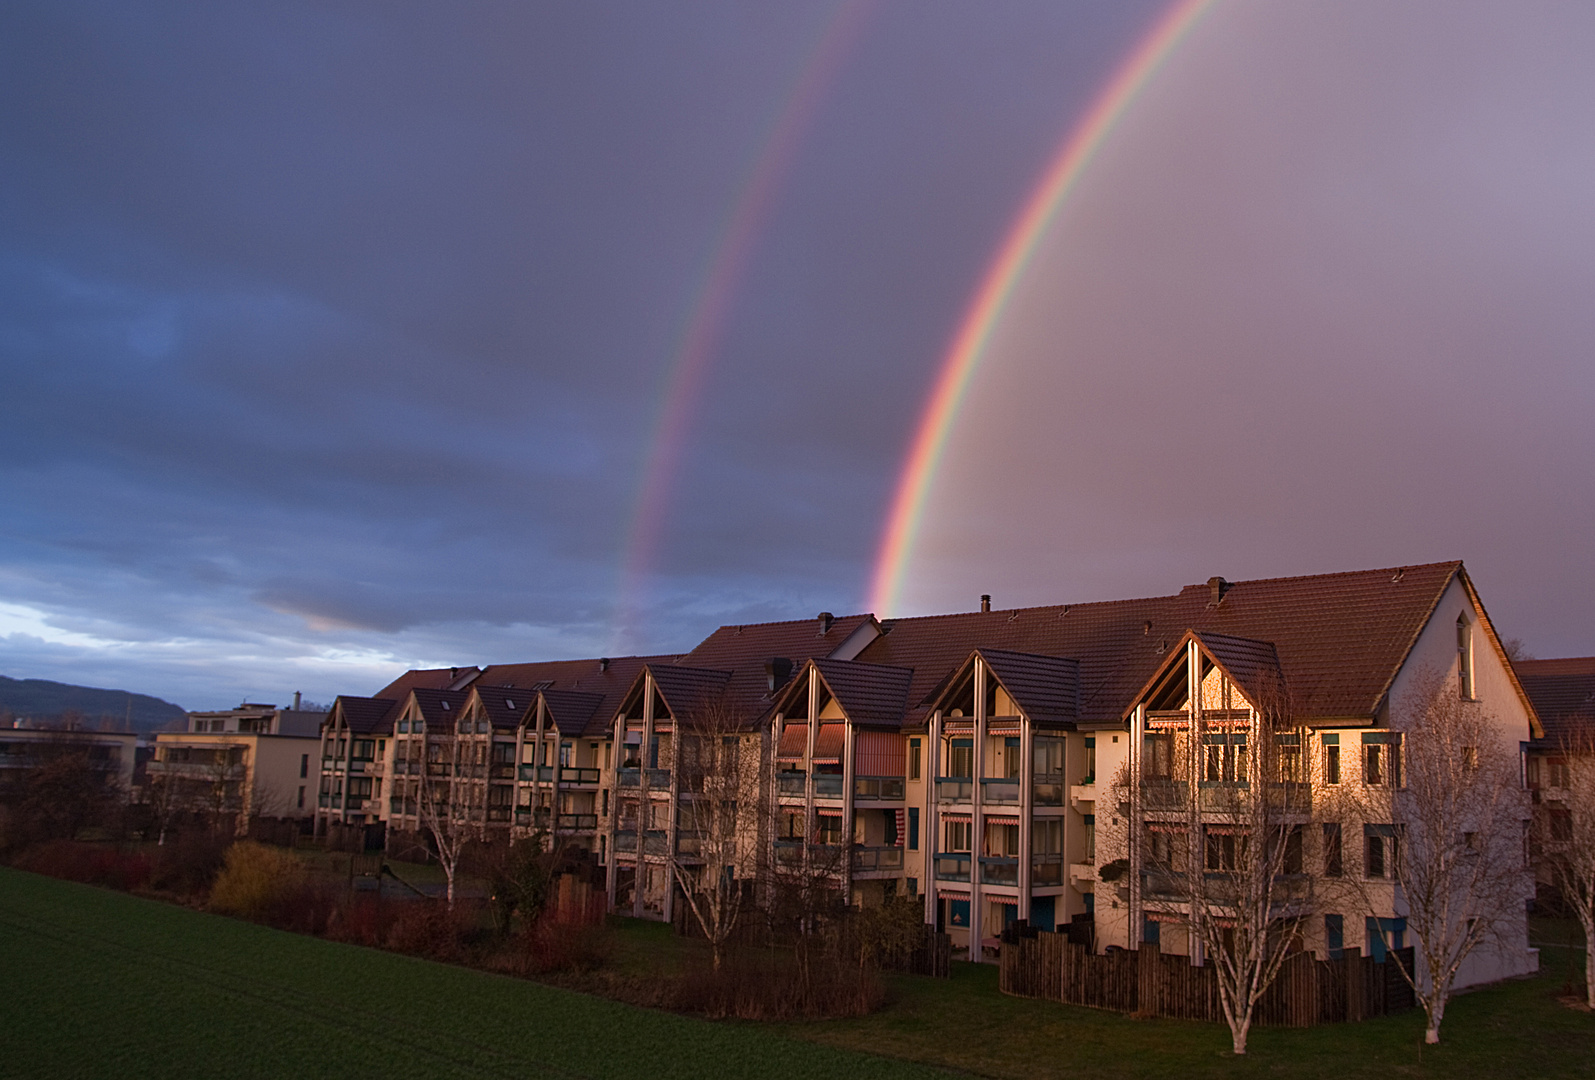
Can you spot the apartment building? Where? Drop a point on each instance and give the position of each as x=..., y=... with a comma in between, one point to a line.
x=1034, y=764
x=253, y=761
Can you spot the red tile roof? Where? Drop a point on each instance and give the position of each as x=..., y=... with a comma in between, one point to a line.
x=1563, y=692
x=869, y=694
x=428, y=678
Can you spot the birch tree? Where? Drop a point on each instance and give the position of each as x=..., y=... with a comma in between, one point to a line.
x=1564, y=835
x=445, y=807
x=719, y=773
x=1442, y=815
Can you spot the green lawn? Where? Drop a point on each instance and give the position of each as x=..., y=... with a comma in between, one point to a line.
x=95, y=983
x=1517, y=1029
x=98, y=984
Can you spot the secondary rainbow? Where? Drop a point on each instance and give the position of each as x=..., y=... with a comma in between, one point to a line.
x=996, y=288
x=711, y=303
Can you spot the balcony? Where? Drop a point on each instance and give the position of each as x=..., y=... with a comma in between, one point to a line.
x=828, y=785
x=1048, y=789
x=871, y=859
x=953, y=866
x=955, y=789
x=630, y=777
x=869, y=788
x=438, y=768
x=359, y=765
x=999, y=869
x=1083, y=793
x=1000, y=792
x=498, y=813
x=1082, y=872
x=501, y=770
x=1294, y=796
x=789, y=852
x=1163, y=794
x=1046, y=869
x=626, y=841
x=658, y=778
x=790, y=783
x=324, y=800
x=654, y=842
x=576, y=822
x=580, y=776
x=1163, y=884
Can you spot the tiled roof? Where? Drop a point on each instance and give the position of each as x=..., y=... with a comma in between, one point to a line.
x=1047, y=688
x=1339, y=638
x=1563, y=693
x=690, y=692
x=440, y=707
x=869, y=694
x=577, y=714
x=1254, y=665
x=424, y=678
x=367, y=715
x=505, y=706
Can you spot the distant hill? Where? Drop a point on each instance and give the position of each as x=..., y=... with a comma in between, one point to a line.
x=40, y=699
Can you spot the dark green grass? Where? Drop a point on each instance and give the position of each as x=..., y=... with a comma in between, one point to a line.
x=98, y=984
x=1517, y=1029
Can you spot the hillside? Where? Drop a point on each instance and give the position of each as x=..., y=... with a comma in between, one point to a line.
x=45, y=700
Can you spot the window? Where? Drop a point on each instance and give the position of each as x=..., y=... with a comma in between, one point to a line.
x=1012, y=756
x=1559, y=774
x=1224, y=759
x=1090, y=838
x=1379, y=851
x=1331, y=759
x=304, y=767
x=1290, y=771
x=1151, y=930
x=961, y=758
x=913, y=759
x=1381, y=758
x=1090, y=776
x=1385, y=934
x=1464, y=657
x=503, y=753
x=956, y=835
x=301, y=798
x=1292, y=862
x=1335, y=935
x=1157, y=758
x=1046, y=836
x=913, y=824
x=1332, y=850
x=1225, y=850
x=1561, y=824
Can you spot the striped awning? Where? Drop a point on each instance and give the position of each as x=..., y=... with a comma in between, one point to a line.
x=823, y=812
x=1167, y=827
x=879, y=753
x=902, y=828
x=1004, y=727
x=955, y=817
x=828, y=744
x=794, y=742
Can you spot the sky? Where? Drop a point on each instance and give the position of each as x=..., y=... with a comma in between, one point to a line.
x=340, y=338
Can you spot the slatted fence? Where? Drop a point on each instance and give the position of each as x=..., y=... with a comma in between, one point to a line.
x=1306, y=992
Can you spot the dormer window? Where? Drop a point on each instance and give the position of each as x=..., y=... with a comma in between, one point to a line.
x=1464, y=658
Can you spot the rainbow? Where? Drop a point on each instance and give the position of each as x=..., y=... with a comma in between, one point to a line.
x=997, y=287
x=695, y=348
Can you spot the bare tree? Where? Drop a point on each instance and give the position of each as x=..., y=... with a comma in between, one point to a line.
x=1564, y=835
x=1222, y=810
x=1442, y=814
x=445, y=807
x=720, y=773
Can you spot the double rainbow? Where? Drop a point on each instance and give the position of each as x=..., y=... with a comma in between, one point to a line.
x=997, y=288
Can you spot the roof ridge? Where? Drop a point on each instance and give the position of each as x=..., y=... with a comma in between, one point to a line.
x=1452, y=563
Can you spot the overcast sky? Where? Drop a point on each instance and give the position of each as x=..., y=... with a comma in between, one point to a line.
x=334, y=337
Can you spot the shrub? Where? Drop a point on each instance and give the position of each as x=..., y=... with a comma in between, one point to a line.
x=255, y=880
x=92, y=864
x=188, y=863
x=428, y=928
x=551, y=945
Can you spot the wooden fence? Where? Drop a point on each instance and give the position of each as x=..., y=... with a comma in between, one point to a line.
x=1146, y=982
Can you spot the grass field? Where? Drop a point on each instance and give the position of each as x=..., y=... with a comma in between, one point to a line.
x=96, y=983
x=99, y=984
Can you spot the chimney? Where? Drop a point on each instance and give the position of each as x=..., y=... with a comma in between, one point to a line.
x=985, y=601
x=777, y=670
x=826, y=619
x=1216, y=587
x=454, y=672
x=603, y=664
x=296, y=701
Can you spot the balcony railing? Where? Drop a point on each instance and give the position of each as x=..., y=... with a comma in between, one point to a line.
x=438, y=768
x=955, y=789
x=999, y=791
x=658, y=778
x=828, y=785
x=577, y=822
x=790, y=783
x=877, y=787
x=953, y=866
x=1048, y=789
x=999, y=869
x=789, y=851
x=580, y=776
x=359, y=764
x=324, y=800
x=1294, y=795
x=867, y=859
x=1164, y=794
x=498, y=813
x=654, y=842
x=1046, y=869
x=501, y=770
x=1163, y=883
x=630, y=777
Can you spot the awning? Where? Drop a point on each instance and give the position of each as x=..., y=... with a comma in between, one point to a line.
x=955, y=817
x=828, y=744
x=902, y=833
x=1163, y=827
x=879, y=753
x=1004, y=727
x=827, y=813
x=794, y=742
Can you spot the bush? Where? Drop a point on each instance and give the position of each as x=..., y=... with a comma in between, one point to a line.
x=550, y=945
x=769, y=985
x=255, y=881
x=188, y=863
x=91, y=864
x=428, y=928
